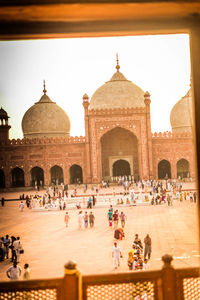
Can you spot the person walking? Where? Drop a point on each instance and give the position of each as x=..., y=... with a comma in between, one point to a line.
x=14, y=272
x=27, y=274
x=110, y=217
x=2, y=201
x=6, y=246
x=116, y=254
x=13, y=253
x=116, y=218
x=147, y=246
x=2, y=249
x=80, y=219
x=86, y=220
x=91, y=219
x=17, y=247
x=21, y=206
x=122, y=217
x=67, y=217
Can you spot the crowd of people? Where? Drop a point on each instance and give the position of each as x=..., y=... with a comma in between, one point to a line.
x=156, y=193
x=85, y=219
x=11, y=249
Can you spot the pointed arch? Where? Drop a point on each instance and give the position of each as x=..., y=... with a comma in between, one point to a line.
x=183, y=168
x=164, y=169
x=121, y=167
x=56, y=175
x=37, y=176
x=76, y=174
x=17, y=177
x=119, y=144
x=2, y=179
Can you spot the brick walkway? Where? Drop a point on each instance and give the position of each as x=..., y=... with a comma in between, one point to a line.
x=48, y=244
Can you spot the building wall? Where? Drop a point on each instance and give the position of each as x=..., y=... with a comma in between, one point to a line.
x=173, y=147
x=103, y=121
x=42, y=153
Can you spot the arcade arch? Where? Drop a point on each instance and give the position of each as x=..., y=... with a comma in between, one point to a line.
x=2, y=179
x=76, y=174
x=17, y=177
x=183, y=168
x=164, y=169
x=120, y=145
x=121, y=167
x=37, y=176
x=56, y=175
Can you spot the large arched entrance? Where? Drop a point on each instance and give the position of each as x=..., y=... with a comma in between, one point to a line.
x=2, y=179
x=17, y=177
x=164, y=169
x=183, y=168
x=56, y=175
x=121, y=168
x=119, y=144
x=37, y=176
x=76, y=174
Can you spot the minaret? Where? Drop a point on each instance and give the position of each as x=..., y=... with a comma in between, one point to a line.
x=4, y=127
x=147, y=102
x=86, y=104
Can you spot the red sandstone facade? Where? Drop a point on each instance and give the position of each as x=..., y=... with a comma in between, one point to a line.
x=113, y=139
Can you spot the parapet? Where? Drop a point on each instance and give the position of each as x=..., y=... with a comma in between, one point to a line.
x=171, y=135
x=52, y=140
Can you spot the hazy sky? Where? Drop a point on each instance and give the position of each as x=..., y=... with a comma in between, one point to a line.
x=72, y=67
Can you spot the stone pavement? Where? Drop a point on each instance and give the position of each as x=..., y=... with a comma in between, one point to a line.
x=48, y=244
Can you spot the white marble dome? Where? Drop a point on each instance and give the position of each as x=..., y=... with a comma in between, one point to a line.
x=45, y=119
x=181, y=117
x=118, y=92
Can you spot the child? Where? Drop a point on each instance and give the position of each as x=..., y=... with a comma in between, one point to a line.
x=145, y=266
x=110, y=213
x=130, y=260
x=66, y=219
x=26, y=274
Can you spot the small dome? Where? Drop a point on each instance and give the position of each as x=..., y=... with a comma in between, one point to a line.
x=45, y=119
x=181, y=117
x=118, y=92
x=85, y=98
x=3, y=114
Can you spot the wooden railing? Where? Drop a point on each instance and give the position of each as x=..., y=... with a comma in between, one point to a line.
x=165, y=284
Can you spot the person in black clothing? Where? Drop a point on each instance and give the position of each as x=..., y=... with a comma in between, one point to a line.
x=1, y=249
x=14, y=256
x=93, y=200
x=2, y=201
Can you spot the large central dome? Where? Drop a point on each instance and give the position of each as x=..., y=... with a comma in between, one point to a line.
x=118, y=92
x=181, y=116
x=45, y=119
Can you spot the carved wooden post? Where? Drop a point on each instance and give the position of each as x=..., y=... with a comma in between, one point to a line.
x=72, y=282
x=168, y=279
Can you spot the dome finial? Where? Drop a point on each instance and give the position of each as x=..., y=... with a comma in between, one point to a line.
x=44, y=90
x=117, y=66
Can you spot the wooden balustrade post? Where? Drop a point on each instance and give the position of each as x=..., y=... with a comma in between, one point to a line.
x=72, y=282
x=168, y=279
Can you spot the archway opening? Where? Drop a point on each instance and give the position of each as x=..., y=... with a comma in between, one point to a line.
x=183, y=168
x=119, y=144
x=121, y=168
x=56, y=175
x=76, y=174
x=2, y=179
x=164, y=169
x=37, y=176
x=17, y=177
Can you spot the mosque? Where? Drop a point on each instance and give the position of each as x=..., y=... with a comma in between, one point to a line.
x=118, y=140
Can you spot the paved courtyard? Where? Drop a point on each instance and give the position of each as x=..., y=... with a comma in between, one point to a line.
x=48, y=244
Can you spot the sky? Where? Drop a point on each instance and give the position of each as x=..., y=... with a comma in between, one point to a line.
x=158, y=64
